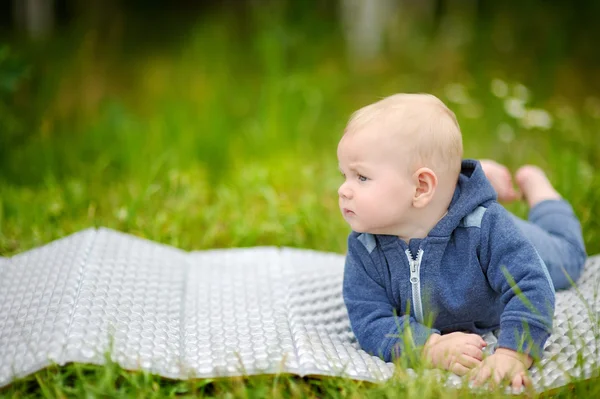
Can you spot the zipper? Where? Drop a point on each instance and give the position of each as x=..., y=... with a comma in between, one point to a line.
x=415, y=271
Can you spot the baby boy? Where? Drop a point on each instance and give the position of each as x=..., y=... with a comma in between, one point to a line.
x=432, y=256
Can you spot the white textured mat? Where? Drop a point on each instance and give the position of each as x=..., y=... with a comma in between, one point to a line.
x=218, y=312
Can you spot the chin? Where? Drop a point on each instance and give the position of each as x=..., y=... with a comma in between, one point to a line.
x=359, y=229
x=374, y=231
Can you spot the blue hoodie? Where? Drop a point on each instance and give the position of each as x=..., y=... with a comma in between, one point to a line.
x=455, y=279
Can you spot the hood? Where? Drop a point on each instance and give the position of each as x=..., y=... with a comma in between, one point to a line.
x=473, y=190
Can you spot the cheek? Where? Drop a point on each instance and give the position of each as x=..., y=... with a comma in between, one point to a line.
x=372, y=199
x=392, y=197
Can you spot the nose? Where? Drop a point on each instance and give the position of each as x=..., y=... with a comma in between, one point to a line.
x=344, y=191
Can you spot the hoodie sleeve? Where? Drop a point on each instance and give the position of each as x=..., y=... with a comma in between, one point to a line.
x=518, y=274
x=378, y=329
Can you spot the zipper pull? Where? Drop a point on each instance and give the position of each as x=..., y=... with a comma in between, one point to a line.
x=414, y=277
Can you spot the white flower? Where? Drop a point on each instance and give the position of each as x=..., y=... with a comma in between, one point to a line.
x=521, y=92
x=537, y=118
x=457, y=93
x=499, y=88
x=515, y=107
x=122, y=214
x=505, y=133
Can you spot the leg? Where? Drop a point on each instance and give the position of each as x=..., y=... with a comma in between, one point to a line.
x=555, y=233
x=552, y=227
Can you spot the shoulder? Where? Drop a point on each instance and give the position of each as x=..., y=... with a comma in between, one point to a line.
x=483, y=214
x=474, y=218
x=497, y=216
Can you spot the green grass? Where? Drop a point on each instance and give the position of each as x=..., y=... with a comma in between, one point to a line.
x=81, y=380
x=228, y=138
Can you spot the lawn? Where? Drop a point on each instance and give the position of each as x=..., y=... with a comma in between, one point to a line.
x=224, y=135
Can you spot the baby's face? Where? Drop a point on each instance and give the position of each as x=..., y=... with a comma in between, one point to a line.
x=377, y=192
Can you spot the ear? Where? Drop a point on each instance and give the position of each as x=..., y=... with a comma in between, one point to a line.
x=426, y=182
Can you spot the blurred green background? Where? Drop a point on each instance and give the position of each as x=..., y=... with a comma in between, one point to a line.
x=205, y=124
x=214, y=124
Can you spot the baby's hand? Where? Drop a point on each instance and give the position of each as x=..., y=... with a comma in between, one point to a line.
x=457, y=352
x=504, y=364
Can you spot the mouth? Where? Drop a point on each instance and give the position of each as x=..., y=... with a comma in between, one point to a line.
x=347, y=212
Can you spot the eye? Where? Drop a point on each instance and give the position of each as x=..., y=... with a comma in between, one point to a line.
x=362, y=178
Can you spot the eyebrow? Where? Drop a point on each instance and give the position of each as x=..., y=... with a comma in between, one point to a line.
x=355, y=166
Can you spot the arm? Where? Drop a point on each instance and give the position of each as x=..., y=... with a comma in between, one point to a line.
x=515, y=270
x=378, y=330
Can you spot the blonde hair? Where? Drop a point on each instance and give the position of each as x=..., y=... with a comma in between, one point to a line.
x=429, y=128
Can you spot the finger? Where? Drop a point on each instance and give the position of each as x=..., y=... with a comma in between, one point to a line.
x=482, y=375
x=473, y=373
x=473, y=351
x=447, y=361
x=526, y=380
x=478, y=341
x=517, y=381
x=474, y=339
x=498, y=376
x=459, y=369
x=468, y=361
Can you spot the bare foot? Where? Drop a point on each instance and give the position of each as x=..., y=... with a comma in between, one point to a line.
x=500, y=178
x=534, y=185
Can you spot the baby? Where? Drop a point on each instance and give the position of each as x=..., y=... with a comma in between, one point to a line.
x=433, y=260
